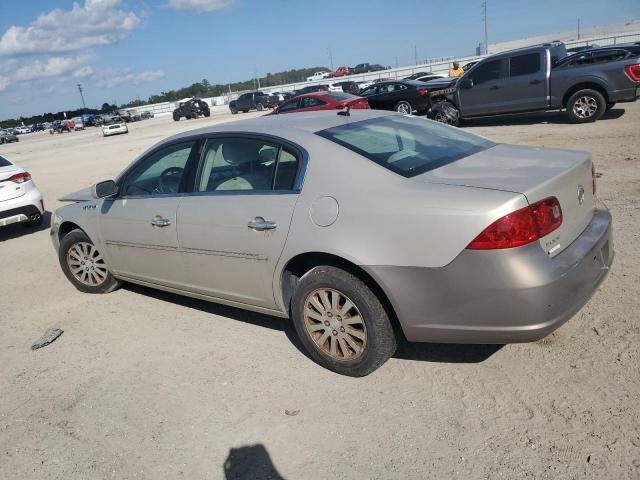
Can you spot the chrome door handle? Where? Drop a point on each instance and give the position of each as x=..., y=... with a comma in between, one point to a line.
x=158, y=221
x=259, y=224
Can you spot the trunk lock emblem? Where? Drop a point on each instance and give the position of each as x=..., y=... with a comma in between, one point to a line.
x=580, y=194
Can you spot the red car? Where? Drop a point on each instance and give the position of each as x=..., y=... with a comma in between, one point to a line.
x=341, y=72
x=321, y=101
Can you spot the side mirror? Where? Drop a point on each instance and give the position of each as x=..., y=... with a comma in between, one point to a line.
x=108, y=188
x=466, y=83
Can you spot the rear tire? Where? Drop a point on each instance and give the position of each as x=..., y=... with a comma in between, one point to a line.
x=586, y=106
x=83, y=264
x=234, y=110
x=445, y=112
x=341, y=322
x=259, y=107
x=403, y=107
x=176, y=117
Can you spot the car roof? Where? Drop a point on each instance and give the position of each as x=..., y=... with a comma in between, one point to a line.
x=291, y=125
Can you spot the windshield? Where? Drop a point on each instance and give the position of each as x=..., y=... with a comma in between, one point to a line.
x=406, y=145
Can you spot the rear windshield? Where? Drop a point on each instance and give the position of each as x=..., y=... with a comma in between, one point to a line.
x=406, y=145
x=339, y=96
x=4, y=162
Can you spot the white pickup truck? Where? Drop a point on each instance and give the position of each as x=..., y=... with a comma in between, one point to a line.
x=318, y=76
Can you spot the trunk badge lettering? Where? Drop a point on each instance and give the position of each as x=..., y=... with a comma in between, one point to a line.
x=580, y=194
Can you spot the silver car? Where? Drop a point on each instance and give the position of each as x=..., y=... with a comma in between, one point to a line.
x=360, y=226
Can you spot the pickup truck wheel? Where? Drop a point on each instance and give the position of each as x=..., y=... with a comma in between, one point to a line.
x=586, y=106
x=234, y=110
x=259, y=107
x=403, y=107
x=83, y=264
x=341, y=322
x=445, y=112
x=176, y=117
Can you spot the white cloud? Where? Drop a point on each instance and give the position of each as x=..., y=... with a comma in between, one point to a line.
x=52, y=67
x=83, y=72
x=97, y=22
x=200, y=5
x=110, y=79
x=4, y=82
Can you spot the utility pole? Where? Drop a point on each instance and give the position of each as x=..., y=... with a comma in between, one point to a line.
x=415, y=54
x=578, y=29
x=486, y=30
x=330, y=58
x=84, y=107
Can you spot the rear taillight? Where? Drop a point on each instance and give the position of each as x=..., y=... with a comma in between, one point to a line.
x=633, y=72
x=520, y=227
x=20, y=177
x=422, y=91
x=593, y=178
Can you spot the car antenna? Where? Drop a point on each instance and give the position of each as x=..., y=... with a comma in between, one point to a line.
x=345, y=112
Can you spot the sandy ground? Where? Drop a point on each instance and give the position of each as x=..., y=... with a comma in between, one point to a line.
x=144, y=384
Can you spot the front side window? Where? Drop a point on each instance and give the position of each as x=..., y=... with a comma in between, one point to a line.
x=492, y=70
x=408, y=146
x=308, y=102
x=288, y=106
x=369, y=91
x=524, y=64
x=240, y=164
x=161, y=173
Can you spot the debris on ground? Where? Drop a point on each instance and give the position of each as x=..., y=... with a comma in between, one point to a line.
x=50, y=336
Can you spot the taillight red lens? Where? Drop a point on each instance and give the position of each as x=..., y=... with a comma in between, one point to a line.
x=520, y=227
x=422, y=91
x=633, y=72
x=593, y=178
x=20, y=177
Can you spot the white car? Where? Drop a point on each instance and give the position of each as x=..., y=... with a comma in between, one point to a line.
x=114, y=129
x=20, y=199
x=22, y=130
x=318, y=76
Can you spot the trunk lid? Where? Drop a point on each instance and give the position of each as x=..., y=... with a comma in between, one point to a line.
x=535, y=172
x=10, y=190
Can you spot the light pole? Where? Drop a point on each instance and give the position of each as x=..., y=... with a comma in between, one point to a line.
x=486, y=30
x=84, y=107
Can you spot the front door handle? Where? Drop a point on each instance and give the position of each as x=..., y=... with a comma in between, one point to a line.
x=535, y=82
x=158, y=221
x=259, y=224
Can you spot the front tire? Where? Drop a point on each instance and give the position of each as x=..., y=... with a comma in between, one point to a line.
x=83, y=264
x=586, y=106
x=403, y=107
x=341, y=322
x=259, y=107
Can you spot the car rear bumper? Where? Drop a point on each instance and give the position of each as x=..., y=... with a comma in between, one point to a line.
x=499, y=296
x=21, y=209
x=625, y=95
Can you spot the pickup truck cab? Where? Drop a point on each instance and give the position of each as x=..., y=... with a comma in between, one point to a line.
x=539, y=78
x=318, y=76
x=252, y=101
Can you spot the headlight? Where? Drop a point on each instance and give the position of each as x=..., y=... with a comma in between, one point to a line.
x=57, y=219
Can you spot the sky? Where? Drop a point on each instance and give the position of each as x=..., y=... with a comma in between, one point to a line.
x=120, y=50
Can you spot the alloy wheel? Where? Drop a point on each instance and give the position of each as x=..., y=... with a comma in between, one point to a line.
x=86, y=264
x=585, y=107
x=404, y=108
x=335, y=324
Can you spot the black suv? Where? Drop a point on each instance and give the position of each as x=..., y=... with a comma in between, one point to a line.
x=192, y=108
x=253, y=101
x=367, y=67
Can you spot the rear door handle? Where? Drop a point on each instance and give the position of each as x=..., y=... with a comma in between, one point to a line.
x=495, y=87
x=535, y=82
x=158, y=221
x=259, y=224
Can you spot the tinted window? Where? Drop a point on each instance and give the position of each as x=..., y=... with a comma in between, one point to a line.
x=237, y=164
x=488, y=71
x=340, y=96
x=309, y=102
x=288, y=106
x=524, y=64
x=406, y=145
x=4, y=162
x=161, y=173
x=367, y=92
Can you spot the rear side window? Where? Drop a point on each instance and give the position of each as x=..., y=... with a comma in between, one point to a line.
x=406, y=145
x=309, y=102
x=4, y=162
x=524, y=64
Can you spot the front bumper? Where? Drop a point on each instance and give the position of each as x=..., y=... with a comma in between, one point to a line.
x=499, y=296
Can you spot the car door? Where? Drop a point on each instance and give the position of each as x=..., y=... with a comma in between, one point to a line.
x=485, y=95
x=138, y=226
x=371, y=94
x=388, y=95
x=233, y=227
x=527, y=85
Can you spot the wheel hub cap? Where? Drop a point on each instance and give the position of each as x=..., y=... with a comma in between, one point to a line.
x=86, y=264
x=335, y=324
x=585, y=107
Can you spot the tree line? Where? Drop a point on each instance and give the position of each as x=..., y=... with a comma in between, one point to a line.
x=202, y=89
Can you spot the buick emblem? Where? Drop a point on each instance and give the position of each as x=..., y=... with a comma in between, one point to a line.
x=580, y=194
